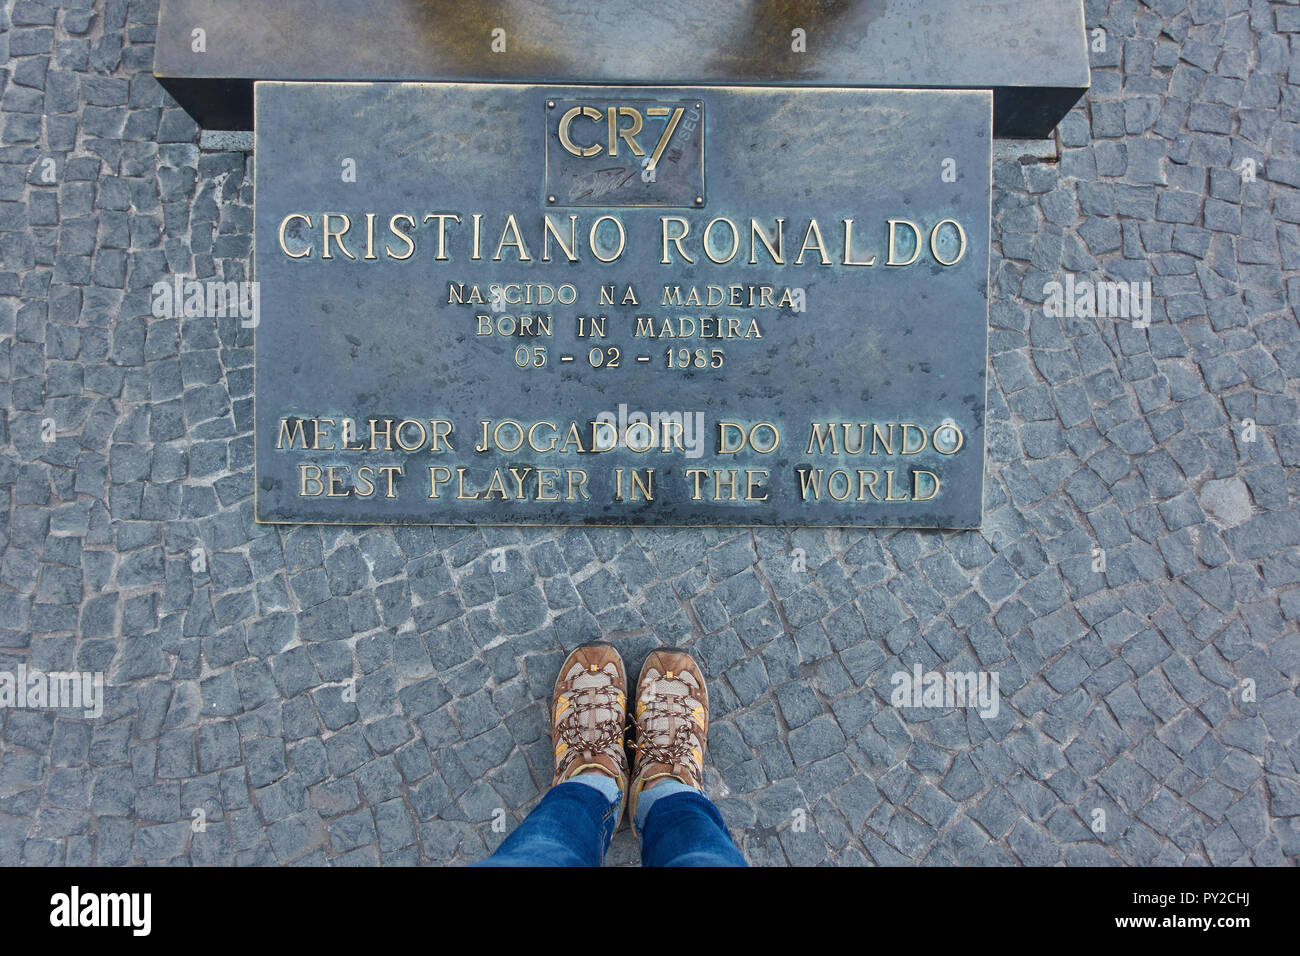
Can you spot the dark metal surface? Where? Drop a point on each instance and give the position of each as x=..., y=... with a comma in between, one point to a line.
x=364, y=338
x=1032, y=53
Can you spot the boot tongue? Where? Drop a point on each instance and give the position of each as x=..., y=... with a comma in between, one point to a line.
x=671, y=687
x=590, y=721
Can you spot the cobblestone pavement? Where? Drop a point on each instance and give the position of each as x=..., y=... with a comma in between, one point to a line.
x=1160, y=692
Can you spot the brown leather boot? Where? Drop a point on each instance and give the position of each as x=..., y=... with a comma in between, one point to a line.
x=671, y=723
x=589, y=715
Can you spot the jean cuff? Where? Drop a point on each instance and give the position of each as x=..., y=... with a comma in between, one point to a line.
x=606, y=785
x=648, y=798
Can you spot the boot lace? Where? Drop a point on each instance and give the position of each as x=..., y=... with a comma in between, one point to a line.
x=579, y=727
x=670, y=746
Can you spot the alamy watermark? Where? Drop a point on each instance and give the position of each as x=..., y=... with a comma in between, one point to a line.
x=1104, y=299
x=53, y=690
x=207, y=298
x=642, y=432
x=978, y=689
x=126, y=910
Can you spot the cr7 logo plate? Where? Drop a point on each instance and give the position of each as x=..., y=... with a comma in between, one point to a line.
x=624, y=152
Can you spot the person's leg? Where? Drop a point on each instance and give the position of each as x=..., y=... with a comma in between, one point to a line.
x=678, y=825
x=571, y=826
x=573, y=823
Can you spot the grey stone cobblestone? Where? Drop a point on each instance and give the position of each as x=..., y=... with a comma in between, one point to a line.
x=367, y=696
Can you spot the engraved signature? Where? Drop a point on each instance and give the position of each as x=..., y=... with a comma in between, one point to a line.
x=600, y=182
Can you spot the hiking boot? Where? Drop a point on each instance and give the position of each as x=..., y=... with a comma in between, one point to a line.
x=671, y=723
x=589, y=715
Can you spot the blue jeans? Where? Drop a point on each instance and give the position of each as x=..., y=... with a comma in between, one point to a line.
x=574, y=822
